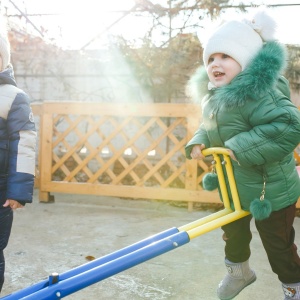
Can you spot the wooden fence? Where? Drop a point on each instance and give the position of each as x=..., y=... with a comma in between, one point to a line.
x=122, y=150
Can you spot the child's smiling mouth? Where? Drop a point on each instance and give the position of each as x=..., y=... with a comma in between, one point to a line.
x=218, y=74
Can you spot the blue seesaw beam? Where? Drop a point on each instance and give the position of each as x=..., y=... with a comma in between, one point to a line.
x=79, y=281
x=90, y=265
x=59, y=286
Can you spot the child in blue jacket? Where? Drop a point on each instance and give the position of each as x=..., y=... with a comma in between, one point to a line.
x=17, y=147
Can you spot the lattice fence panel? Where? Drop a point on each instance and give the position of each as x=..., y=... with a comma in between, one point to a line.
x=134, y=151
x=123, y=150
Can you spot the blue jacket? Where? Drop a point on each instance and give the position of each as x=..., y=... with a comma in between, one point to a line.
x=17, y=142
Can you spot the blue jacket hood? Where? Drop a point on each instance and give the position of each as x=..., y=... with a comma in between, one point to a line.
x=7, y=76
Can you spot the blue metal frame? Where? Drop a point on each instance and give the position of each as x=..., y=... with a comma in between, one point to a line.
x=59, y=286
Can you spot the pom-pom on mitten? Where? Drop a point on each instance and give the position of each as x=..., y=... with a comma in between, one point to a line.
x=260, y=209
x=210, y=181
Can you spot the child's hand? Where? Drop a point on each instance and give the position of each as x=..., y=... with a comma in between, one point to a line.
x=232, y=156
x=12, y=203
x=196, y=152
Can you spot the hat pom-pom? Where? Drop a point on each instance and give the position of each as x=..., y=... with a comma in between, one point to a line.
x=264, y=25
x=260, y=209
x=210, y=181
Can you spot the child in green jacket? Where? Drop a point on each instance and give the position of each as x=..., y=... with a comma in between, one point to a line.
x=246, y=108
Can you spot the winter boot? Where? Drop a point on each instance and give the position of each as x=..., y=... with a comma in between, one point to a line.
x=291, y=291
x=239, y=276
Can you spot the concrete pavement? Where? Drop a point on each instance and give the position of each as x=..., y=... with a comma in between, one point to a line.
x=57, y=237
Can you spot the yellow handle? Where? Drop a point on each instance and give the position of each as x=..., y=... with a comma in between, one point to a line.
x=227, y=215
x=215, y=150
x=222, y=157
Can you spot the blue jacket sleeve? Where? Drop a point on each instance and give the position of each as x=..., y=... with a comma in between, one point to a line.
x=22, y=143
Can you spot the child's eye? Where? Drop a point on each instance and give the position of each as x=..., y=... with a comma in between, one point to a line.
x=210, y=60
x=225, y=56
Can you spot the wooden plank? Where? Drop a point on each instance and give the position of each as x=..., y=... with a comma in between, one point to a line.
x=45, y=155
x=37, y=108
x=123, y=109
x=173, y=194
x=191, y=175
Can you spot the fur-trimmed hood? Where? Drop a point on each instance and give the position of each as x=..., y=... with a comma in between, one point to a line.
x=261, y=76
x=254, y=118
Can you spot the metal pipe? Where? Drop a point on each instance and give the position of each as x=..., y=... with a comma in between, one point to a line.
x=80, y=281
x=90, y=265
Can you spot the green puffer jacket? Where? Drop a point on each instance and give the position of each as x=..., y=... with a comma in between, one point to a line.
x=254, y=117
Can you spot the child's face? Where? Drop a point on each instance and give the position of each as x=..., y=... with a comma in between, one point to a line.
x=221, y=69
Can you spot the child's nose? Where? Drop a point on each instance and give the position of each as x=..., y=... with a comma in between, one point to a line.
x=216, y=62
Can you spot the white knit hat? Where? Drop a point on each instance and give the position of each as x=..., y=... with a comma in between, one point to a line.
x=4, y=45
x=241, y=39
